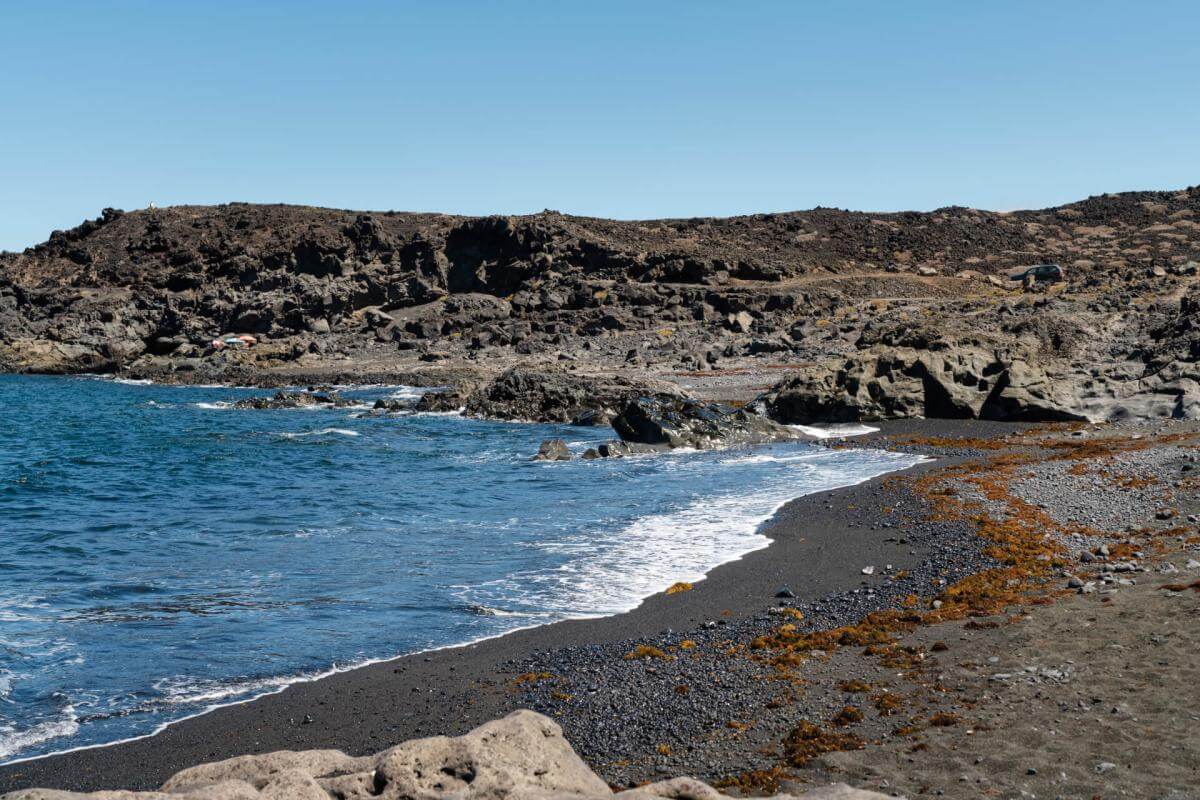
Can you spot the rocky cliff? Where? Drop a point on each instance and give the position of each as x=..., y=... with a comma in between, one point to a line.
x=866, y=314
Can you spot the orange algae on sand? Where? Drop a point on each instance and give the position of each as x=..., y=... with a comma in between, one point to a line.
x=807, y=741
x=646, y=651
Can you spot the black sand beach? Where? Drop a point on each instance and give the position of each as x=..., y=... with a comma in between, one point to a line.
x=820, y=544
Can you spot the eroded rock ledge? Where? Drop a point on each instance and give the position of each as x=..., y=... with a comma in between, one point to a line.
x=651, y=413
x=523, y=755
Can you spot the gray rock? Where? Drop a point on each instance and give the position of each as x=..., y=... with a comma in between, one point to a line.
x=295, y=400
x=553, y=450
x=682, y=422
x=741, y=322
x=254, y=770
x=523, y=756
x=552, y=396
x=965, y=380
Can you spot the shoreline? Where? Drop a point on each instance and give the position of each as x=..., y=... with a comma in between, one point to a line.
x=278, y=719
x=286, y=681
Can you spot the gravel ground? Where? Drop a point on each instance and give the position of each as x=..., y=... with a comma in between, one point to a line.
x=714, y=714
x=632, y=718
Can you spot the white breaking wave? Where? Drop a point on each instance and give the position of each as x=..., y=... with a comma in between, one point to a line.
x=322, y=432
x=772, y=458
x=412, y=392
x=13, y=740
x=220, y=405
x=610, y=572
x=457, y=413
x=181, y=691
x=835, y=430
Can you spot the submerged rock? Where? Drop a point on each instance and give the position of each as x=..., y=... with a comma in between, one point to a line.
x=523, y=756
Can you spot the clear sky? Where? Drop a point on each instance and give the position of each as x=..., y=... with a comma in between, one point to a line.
x=610, y=108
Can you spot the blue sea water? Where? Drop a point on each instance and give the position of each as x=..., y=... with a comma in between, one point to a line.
x=161, y=552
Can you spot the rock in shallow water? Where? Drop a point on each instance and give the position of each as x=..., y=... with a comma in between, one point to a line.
x=552, y=396
x=522, y=756
x=295, y=400
x=553, y=450
x=684, y=422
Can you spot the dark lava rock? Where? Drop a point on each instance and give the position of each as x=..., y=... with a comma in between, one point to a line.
x=295, y=400
x=592, y=418
x=439, y=402
x=550, y=396
x=391, y=405
x=683, y=422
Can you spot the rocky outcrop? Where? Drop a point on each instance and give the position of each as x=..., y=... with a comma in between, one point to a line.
x=520, y=757
x=647, y=414
x=551, y=396
x=308, y=399
x=684, y=422
x=141, y=293
x=971, y=382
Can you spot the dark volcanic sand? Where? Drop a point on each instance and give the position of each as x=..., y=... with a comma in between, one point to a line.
x=618, y=708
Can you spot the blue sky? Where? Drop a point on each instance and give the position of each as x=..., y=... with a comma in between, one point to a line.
x=622, y=109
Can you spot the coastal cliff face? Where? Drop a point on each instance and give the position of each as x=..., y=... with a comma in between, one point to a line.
x=861, y=315
x=523, y=755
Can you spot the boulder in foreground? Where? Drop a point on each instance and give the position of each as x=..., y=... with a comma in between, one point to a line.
x=522, y=756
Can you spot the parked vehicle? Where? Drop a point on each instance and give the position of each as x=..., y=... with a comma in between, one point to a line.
x=1039, y=272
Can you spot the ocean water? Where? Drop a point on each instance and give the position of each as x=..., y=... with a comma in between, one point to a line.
x=162, y=553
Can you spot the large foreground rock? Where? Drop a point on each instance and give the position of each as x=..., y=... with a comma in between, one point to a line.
x=522, y=756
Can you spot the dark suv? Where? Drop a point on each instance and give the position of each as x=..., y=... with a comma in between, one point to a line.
x=1039, y=272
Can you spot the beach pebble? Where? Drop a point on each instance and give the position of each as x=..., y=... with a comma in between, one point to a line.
x=868, y=570
x=1105, y=766
x=785, y=592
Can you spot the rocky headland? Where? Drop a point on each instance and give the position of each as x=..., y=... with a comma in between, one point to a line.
x=838, y=315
